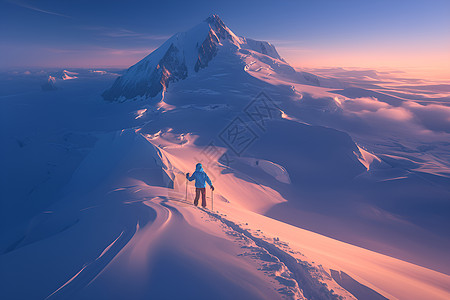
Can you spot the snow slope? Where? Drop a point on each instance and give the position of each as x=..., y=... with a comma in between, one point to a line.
x=123, y=231
x=312, y=201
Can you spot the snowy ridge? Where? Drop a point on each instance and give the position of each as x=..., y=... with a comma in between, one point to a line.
x=67, y=75
x=261, y=47
x=156, y=231
x=304, y=275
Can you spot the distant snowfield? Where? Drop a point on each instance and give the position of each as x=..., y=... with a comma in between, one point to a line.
x=339, y=192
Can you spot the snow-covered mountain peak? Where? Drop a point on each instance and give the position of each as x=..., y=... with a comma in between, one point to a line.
x=221, y=30
x=215, y=19
x=187, y=53
x=68, y=75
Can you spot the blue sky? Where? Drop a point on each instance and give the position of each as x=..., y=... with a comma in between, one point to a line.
x=408, y=34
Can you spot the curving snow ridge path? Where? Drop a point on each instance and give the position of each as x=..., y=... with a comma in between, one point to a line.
x=172, y=256
x=126, y=232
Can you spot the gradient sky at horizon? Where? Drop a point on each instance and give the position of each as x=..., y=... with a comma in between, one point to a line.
x=408, y=35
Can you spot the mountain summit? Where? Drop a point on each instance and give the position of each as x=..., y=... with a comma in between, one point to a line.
x=182, y=55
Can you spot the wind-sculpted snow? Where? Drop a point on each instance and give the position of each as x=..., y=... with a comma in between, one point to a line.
x=302, y=272
x=360, y=291
x=153, y=262
x=111, y=156
x=262, y=47
x=148, y=244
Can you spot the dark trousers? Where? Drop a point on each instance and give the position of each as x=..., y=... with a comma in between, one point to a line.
x=197, y=195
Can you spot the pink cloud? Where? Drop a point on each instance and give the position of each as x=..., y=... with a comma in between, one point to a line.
x=433, y=116
x=364, y=104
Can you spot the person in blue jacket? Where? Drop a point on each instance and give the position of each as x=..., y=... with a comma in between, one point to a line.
x=200, y=183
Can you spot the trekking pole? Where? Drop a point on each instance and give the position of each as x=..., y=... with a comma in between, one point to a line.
x=212, y=200
x=186, y=189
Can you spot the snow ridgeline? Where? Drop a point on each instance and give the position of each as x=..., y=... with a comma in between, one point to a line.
x=152, y=173
x=128, y=230
x=128, y=227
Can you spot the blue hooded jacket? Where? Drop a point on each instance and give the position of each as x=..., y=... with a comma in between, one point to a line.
x=200, y=177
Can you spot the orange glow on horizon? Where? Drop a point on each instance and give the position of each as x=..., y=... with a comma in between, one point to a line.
x=418, y=64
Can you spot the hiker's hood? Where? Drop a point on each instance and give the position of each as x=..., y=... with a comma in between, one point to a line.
x=199, y=167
